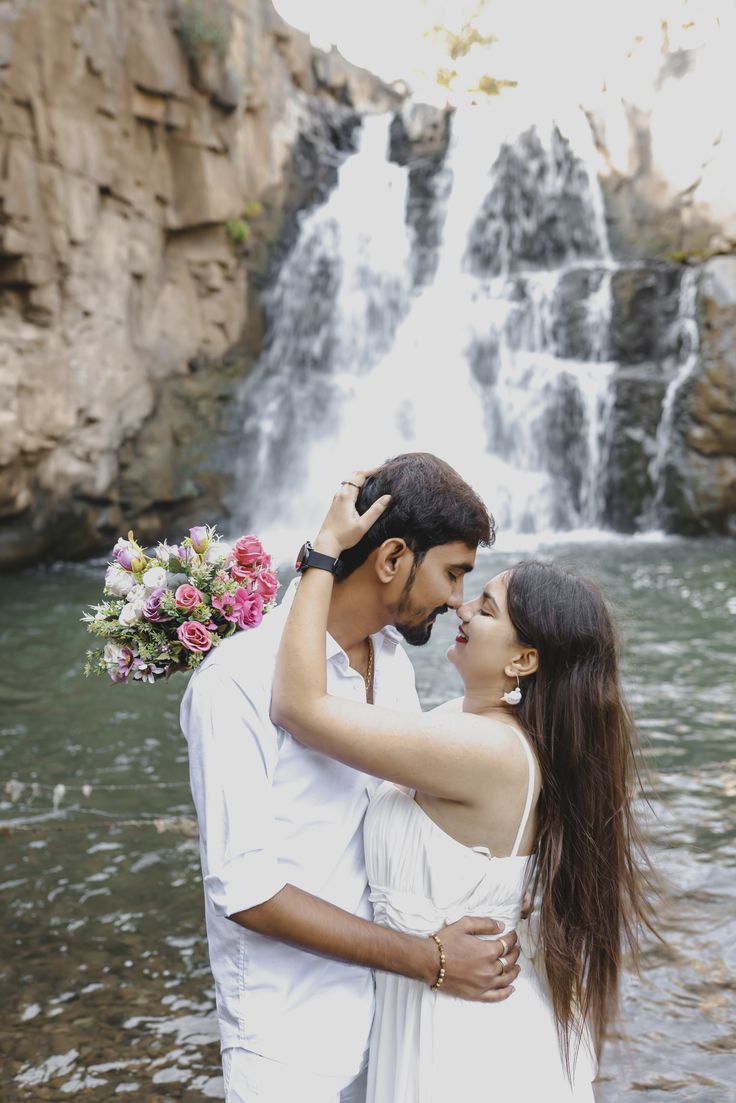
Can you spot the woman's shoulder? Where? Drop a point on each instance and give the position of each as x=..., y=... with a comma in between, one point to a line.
x=504, y=749
x=499, y=731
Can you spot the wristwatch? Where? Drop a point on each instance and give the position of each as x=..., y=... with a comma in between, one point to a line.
x=308, y=557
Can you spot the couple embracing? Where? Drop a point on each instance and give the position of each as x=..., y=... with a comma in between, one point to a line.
x=362, y=932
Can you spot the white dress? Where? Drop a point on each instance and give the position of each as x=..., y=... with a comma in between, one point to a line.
x=428, y=1047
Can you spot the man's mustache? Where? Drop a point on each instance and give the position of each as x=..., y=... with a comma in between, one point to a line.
x=438, y=612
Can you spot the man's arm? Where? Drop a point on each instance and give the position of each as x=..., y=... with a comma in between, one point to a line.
x=473, y=970
x=232, y=758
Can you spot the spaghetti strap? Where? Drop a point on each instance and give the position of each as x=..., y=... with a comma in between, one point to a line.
x=529, y=793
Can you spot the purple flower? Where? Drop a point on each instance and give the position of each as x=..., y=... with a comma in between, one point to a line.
x=129, y=555
x=151, y=606
x=146, y=671
x=200, y=536
x=126, y=660
x=186, y=553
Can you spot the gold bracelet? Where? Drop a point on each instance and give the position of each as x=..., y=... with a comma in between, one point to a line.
x=441, y=975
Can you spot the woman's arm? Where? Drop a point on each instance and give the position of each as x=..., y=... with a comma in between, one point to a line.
x=455, y=706
x=446, y=754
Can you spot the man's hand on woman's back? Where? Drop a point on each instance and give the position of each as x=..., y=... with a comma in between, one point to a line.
x=473, y=966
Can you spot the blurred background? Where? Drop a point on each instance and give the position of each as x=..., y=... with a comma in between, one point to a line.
x=248, y=246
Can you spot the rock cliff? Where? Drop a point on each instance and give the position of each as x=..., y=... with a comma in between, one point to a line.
x=153, y=155
x=667, y=158
x=698, y=491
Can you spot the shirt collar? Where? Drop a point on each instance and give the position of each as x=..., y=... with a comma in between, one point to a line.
x=391, y=636
x=388, y=637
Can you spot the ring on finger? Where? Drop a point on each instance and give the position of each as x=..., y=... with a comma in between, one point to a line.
x=346, y=482
x=503, y=943
x=504, y=964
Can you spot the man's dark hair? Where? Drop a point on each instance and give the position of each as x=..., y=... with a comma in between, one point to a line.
x=431, y=505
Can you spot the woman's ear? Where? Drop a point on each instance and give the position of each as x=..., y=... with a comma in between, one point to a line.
x=527, y=662
x=391, y=558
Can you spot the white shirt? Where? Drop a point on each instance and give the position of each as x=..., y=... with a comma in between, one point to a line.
x=272, y=811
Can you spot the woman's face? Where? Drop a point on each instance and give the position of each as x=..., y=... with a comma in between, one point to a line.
x=486, y=642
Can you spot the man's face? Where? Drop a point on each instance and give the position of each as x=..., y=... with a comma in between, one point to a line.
x=432, y=588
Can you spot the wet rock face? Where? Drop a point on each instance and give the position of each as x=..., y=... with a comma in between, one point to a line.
x=645, y=306
x=627, y=489
x=315, y=158
x=563, y=442
x=129, y=137
x=533, y=220
x=536, y=214
x=419, y=132
x=699, y=488
x=419, y=137
x=645, y=340
x=572, y=336
x=676, y=468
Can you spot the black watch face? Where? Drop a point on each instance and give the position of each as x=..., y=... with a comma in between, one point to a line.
x=303, y=552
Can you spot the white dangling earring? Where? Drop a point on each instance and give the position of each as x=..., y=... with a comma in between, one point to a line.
x=513, y=696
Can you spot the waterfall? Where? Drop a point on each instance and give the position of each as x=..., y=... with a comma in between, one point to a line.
x=332, y=315
x=497, y=362
x=685, y=337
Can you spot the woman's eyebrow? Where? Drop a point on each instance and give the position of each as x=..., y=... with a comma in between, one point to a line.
x=491, y=600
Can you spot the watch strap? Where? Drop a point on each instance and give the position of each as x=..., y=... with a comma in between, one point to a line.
x=312, y=558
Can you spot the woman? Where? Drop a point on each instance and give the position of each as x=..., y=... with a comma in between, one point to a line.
x=524, y=785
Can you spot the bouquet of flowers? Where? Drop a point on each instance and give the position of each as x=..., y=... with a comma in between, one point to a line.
x=163, y=612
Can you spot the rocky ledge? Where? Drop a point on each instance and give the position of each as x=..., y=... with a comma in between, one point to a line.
x=153, y=155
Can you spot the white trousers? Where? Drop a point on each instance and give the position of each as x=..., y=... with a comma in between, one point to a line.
x=249, y=1077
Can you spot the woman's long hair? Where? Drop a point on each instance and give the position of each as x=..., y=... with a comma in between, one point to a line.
x=590, y=876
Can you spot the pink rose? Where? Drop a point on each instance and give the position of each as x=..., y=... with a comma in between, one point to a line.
x=187, y=597
x=241, y=574
x=249, y=552
x=194, y=636
x=251, y=611
x=266, y=584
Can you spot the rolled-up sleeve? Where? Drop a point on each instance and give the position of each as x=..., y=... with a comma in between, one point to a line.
x=232, y=757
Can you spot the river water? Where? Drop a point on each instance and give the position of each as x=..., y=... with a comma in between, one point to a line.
x=106, y=991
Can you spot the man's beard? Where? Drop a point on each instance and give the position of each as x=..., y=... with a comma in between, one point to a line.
x=418, y=634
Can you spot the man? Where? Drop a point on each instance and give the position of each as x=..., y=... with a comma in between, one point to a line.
x=287, y=908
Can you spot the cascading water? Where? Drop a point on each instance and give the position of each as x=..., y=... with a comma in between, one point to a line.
x=686, y=339
x=498, y=363
x=332, y=315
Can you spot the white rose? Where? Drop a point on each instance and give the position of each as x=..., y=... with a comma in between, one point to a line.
x=154, y=577
x=130, y=614
x=165, y=551
x=215, y=551
x=137, y=594
x=112, y=653
x=118, y=581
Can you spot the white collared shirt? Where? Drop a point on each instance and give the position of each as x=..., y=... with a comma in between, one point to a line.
x=272, y=811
